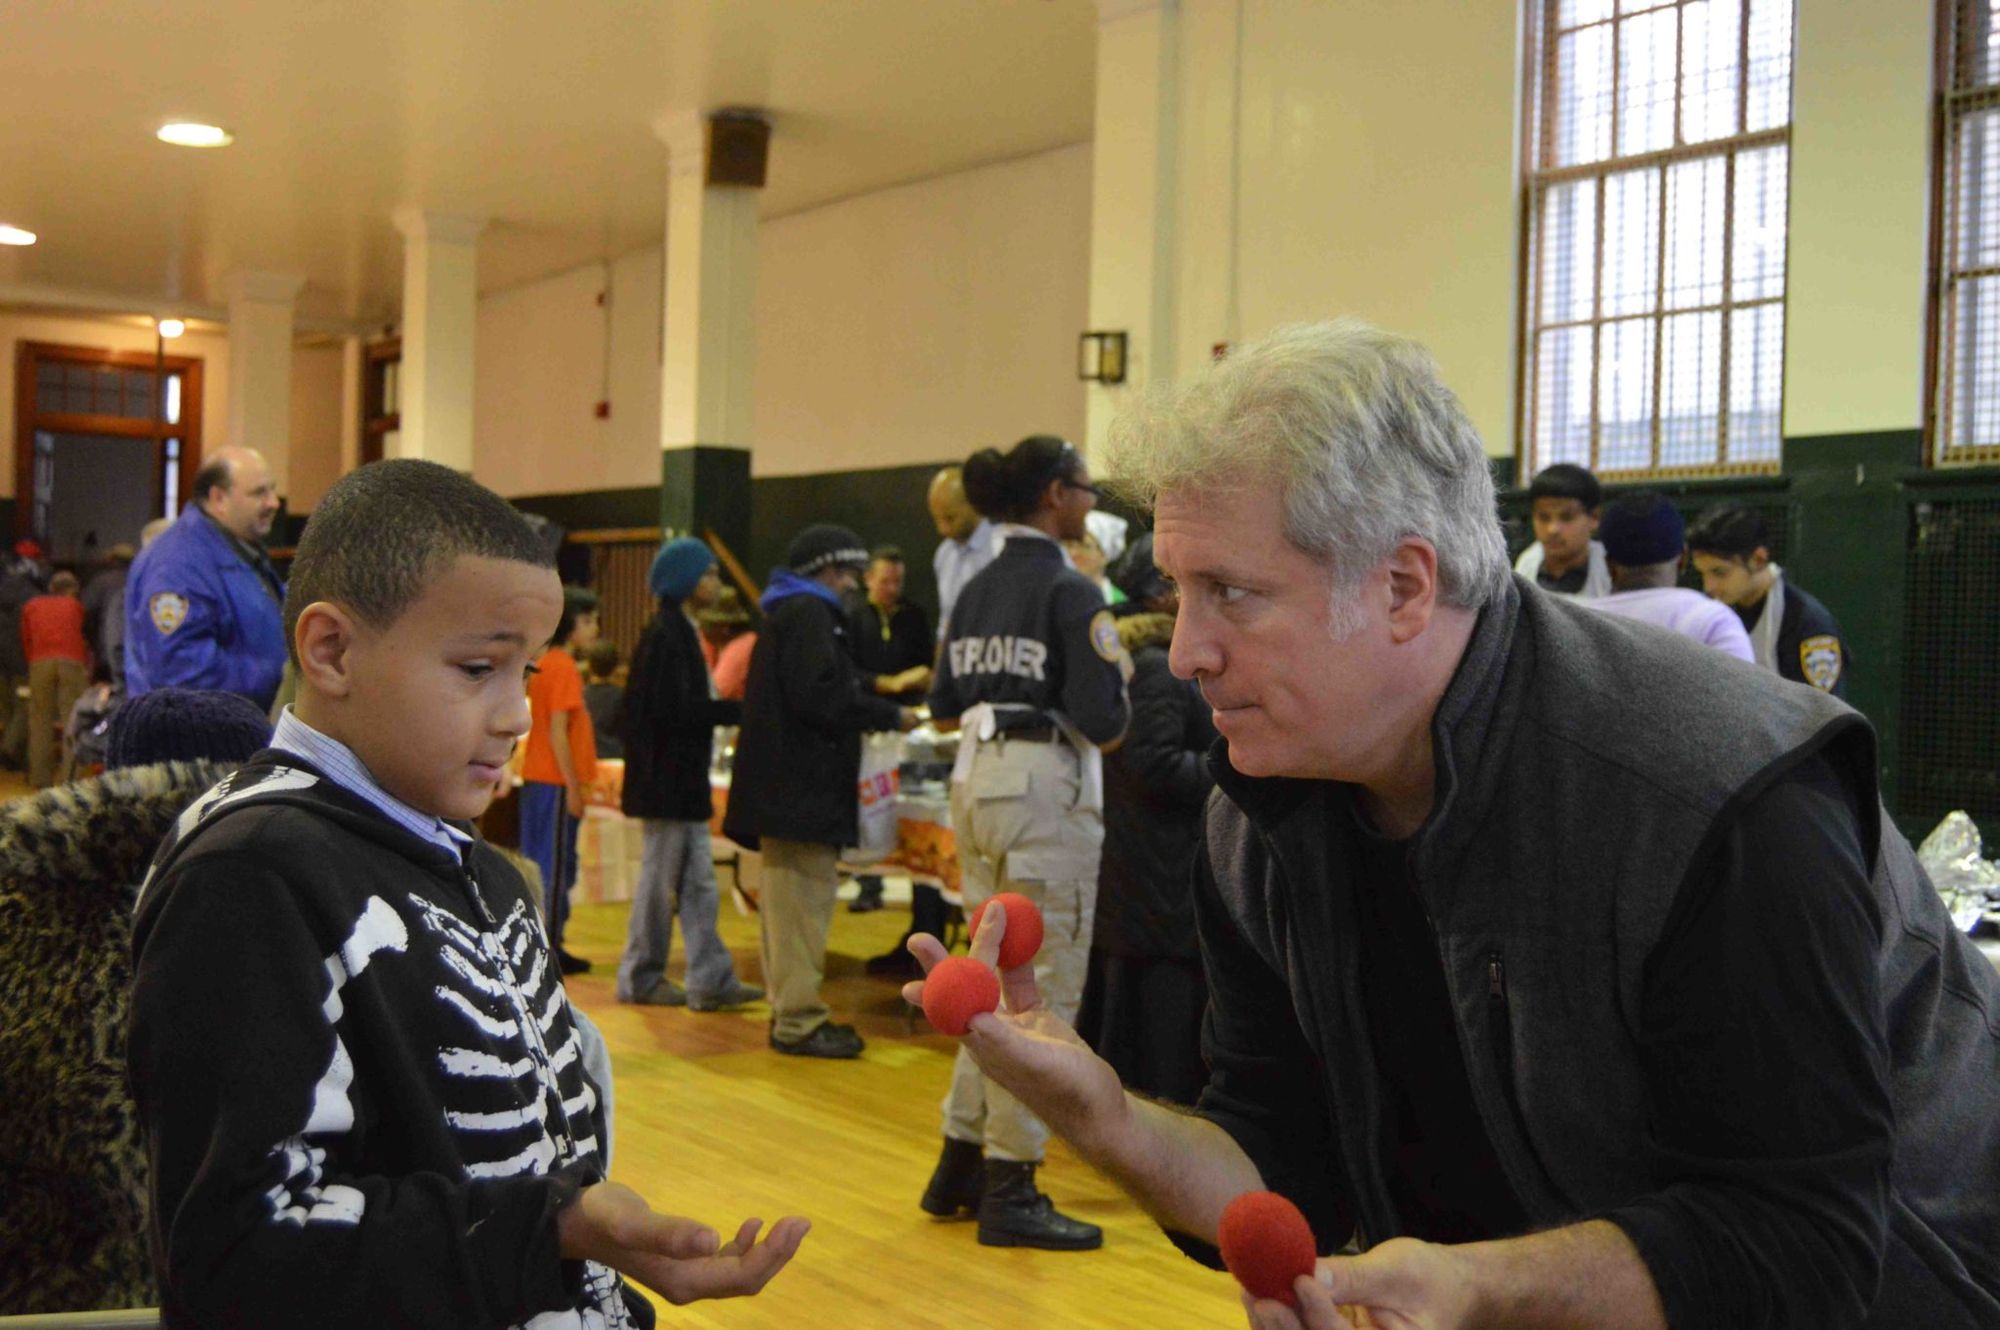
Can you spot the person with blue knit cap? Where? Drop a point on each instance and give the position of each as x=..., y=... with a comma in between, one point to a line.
x=671, y=712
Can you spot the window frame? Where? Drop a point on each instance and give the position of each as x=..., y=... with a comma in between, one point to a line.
x=1538, y=147
x=1949, y=103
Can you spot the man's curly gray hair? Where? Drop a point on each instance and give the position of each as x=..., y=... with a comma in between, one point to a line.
x=1366, y=444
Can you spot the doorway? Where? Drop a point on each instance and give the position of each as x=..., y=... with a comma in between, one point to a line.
x=105, y=441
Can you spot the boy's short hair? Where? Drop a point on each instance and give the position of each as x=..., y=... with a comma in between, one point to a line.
x=577, y=602
x=63, y=583
x=1729, y=530
x=602, y=658
x=886, y=554
x=1566, y=480
x=387, y=530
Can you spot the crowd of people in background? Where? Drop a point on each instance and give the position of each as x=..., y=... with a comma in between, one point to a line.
x=1091, y=693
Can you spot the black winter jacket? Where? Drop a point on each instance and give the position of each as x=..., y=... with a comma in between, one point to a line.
x=1154, y=787
x=356, y=1073
x=670, y=722
x=798, y=756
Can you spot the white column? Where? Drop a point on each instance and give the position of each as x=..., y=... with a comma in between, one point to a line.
x=260, y=366
x=440, y=311
x=1133, y=196
x=710, y=279
x=351, y=363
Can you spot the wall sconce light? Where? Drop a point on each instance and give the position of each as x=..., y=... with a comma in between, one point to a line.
x=1100, y=357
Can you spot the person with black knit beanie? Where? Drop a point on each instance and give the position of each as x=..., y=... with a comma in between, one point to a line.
x=798, y=761
x=185, y=725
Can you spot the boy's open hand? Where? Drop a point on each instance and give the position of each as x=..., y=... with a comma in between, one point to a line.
x=681, y=1260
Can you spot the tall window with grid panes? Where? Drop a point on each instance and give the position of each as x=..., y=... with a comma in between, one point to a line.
x=1653, y=311
x=1965, y=340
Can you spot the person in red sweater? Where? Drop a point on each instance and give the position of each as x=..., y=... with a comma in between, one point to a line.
x=58, y=669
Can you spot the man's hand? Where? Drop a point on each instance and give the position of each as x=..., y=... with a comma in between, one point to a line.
x=917, y=676
x=1401, y=1285
x=1586, y=1275
x=1035, y=1055
x=681, y=1260
x=907, y=719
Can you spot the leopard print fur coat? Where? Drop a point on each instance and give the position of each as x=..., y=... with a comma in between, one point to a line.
x=73, y=1206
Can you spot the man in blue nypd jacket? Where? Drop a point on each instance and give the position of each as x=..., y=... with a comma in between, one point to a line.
x=203, y=606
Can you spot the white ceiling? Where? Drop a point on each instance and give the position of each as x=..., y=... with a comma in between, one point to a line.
x=536, y=115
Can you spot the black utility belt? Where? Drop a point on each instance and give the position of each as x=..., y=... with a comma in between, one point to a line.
x=1032, y=732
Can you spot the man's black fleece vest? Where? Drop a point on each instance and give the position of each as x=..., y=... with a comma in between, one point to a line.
x=1585, y=764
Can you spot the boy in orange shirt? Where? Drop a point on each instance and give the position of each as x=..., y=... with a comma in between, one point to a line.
x=559, y=764
x=58, y=668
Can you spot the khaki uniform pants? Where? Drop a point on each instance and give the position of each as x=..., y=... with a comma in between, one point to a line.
x=796, y=910
x=53, y=687
x=1018, y=829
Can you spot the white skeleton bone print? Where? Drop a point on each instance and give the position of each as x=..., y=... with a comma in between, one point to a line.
x=500, y=1084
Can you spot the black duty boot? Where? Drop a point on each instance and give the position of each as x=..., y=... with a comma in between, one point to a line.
x=1014, y=1213
x=956, y=1182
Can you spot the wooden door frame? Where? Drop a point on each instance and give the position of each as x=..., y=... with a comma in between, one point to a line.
x=27, y=420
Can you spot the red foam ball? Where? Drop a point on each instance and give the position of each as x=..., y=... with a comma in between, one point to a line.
x=958, y=989
x=1024, y=928
x=1266, y=1243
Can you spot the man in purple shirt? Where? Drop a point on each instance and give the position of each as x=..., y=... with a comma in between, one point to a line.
x=1645, y=544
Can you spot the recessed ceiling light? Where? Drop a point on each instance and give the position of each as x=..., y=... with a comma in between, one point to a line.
x=14, y=235
x=187, y=134
x=172, y=327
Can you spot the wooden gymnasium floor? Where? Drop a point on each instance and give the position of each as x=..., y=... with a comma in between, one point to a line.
x=712, y=1124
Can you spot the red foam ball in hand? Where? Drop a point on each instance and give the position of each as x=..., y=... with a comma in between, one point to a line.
x=1024, y=928
x=1266, y=1243
x=957, y=989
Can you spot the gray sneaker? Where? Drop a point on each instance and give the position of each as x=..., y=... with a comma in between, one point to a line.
x=737, y=994
x=666, y=993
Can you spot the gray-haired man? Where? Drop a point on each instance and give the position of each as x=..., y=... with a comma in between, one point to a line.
x=1571, y=1011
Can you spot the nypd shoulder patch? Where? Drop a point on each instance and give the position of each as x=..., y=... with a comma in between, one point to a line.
x=1104, y=636
x=1820, y=661
x=169, y=610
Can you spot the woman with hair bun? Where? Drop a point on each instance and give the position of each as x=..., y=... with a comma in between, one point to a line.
x=1033, y=674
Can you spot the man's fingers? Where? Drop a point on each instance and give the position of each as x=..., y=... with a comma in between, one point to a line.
x=927, y=949
x=1019, y=993
x=986, y=942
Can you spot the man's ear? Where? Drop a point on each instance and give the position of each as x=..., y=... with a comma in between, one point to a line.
x=324, y=640
x=1413, y=588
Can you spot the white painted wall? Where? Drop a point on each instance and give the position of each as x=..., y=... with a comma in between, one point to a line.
x=1366, y=162
x=893, y=328
x=924, y=322
x=318, y=406
x=1860, y=214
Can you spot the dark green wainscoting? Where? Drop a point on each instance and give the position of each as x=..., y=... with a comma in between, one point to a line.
x=1907, y=557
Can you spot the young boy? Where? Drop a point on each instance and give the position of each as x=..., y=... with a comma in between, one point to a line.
x=1791, y=632
x=559, y=764
x=604, y=699
x=356, y=1073
x=58, y=667
x=1566, y=558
